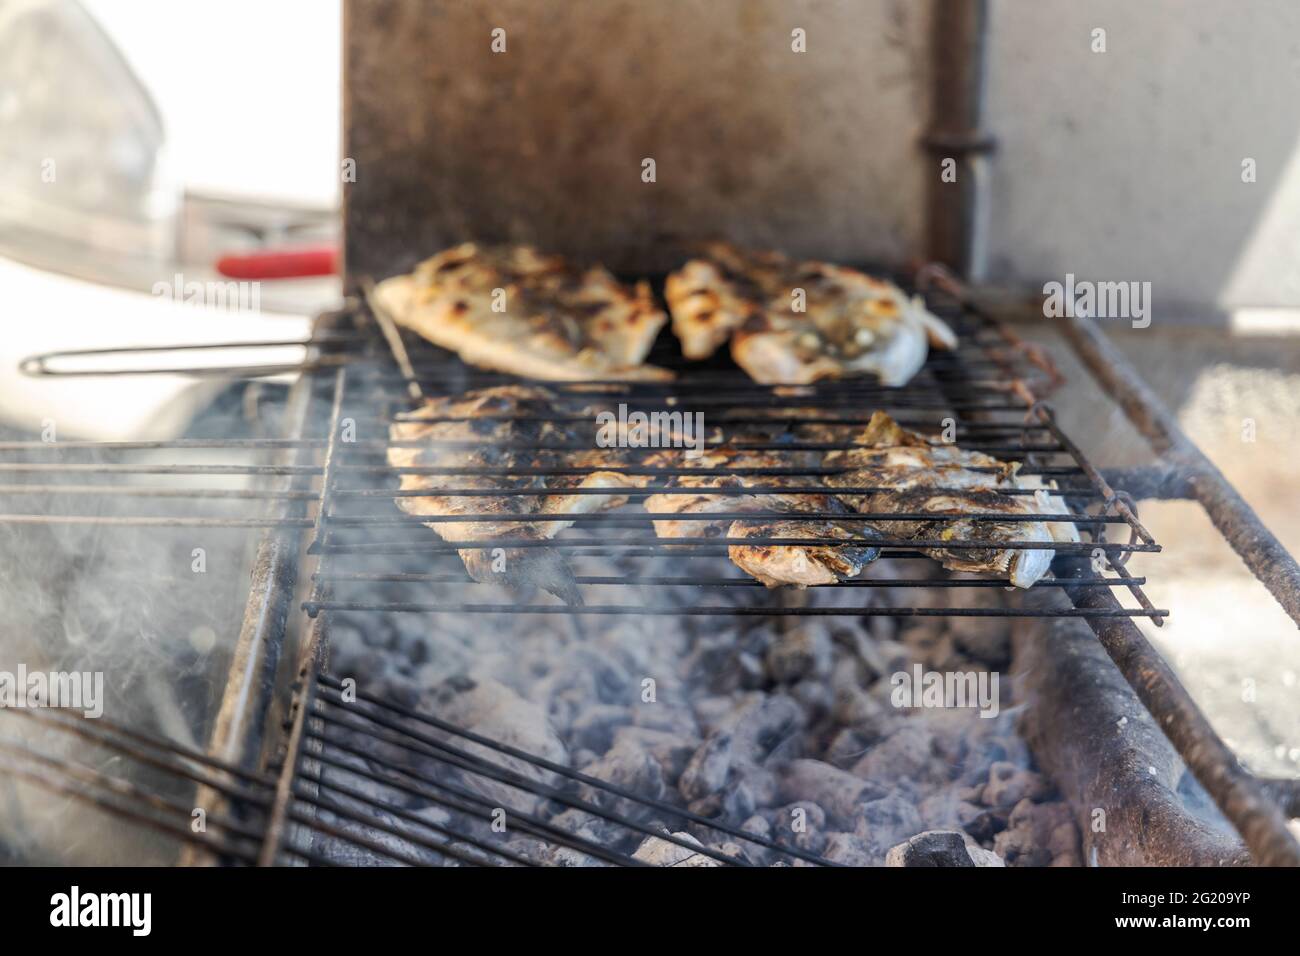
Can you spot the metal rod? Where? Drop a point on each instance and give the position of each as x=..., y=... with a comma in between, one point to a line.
x=1261, y=551
x=679, y=544
x=955, y=133
x=635, y=610
x=1243, y=799
x=391, y=808
x=703, y=582
x=423, y=744
x=241, y=715
x=757, y=516
x=468, y=802
x=329, y=680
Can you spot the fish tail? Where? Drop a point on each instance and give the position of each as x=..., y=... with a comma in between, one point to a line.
x=522, y=568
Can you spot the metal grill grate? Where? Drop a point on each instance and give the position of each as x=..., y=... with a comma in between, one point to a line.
x=347, y=777
x=363, y=759
x=976, y=391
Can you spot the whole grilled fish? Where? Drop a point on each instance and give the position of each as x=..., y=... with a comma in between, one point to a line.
x=942, y=479
x=513, y=309
x=515, y=567
x=792, y=322
x=773, y=565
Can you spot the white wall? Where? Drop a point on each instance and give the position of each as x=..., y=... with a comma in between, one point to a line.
x=1127, y=164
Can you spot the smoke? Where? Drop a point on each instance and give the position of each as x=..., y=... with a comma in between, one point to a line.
x=155, y=610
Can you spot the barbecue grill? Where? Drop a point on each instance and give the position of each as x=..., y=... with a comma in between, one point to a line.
x=295, y=772
x=303, y=764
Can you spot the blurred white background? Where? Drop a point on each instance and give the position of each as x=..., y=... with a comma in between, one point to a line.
x=248, y=90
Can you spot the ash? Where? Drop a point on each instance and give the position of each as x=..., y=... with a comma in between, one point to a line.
x=782, y=727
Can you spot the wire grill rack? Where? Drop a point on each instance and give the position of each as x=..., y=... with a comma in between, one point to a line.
x=346, y=778
x=975, y=393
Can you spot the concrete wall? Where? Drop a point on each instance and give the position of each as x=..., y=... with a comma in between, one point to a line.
x=1117, y=165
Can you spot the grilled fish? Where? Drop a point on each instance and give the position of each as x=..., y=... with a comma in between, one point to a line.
x=774, y=565
x=512, y=309
x=848, y=321
x=515, y=567
x=942, y=479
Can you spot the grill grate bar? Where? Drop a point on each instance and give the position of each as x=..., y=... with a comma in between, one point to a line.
x=415, y=742
x=756, y=516
x=336, y=809
x=332, y=683
x=633, y=610
x=648, y=490
x=102, y=797
x=428, y=794
x=698, y=582
x=428, y=788
x=672, y=545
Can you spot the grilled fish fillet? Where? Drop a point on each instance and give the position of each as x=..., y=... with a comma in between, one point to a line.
x=516, y=567
x=851, y=322
x=774, y=565
x=512, y=309
x=940, y=478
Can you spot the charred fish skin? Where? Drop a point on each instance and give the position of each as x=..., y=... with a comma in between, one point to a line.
x=795, y=565
x=792, y=323
x=482, y=436
x=516, y=310
x=940, y=478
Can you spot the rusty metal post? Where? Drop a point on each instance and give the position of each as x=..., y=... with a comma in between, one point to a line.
x=1262, y=552
x=955, y=136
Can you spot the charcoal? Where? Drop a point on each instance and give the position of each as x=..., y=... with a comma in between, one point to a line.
x=986, y=639
x=934, y=848
x=594, y=728
x=766, y=723
x=659, y=852
x=985, y=826
x=793, y=820
x=885, y=822
x=492, y=710
x=837, y=791
x=817, y=699
x=751, y=718
x=1039, y=834
x=906, y=754
x=1009, y=784
x=673, y=720
x=671, y=751
x=845, y=748
x=758, y=826
x=883, y=629
x=802, y=651
x=708, y=807
x=750, y=672
x=739, y=800
x=628, y=767
x=847, y=849
x=945, y=810
x=708, y=768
